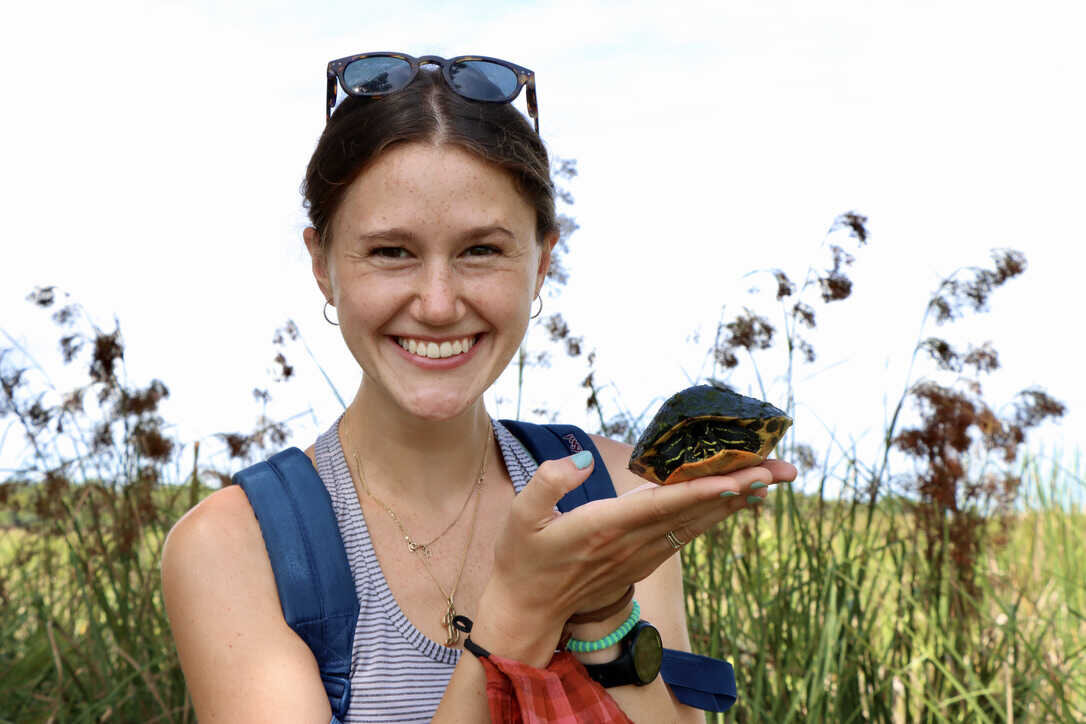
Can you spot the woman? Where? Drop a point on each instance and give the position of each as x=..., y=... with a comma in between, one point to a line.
x=433, y=223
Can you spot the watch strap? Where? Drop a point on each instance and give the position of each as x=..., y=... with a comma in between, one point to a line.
x=615, y=673
x=622, y=671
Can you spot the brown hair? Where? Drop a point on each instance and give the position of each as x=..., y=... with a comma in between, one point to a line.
x=426, y=111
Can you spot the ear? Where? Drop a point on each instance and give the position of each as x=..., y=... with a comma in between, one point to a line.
x=545, y=259
x=318, y=258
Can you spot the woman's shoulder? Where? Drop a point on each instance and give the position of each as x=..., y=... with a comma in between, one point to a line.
x=222, y=531
x=216, y=550
x=223, y=521
x=224, y=611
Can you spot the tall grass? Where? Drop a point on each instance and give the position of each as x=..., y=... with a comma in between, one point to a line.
x=84, y=631
x=825, y=613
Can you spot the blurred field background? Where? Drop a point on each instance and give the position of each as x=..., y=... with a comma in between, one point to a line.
x=937, y=576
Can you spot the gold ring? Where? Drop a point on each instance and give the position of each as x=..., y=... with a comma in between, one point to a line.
x=673, y=540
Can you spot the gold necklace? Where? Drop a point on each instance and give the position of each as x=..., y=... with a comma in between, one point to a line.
x=453, y=635
x=423, y=548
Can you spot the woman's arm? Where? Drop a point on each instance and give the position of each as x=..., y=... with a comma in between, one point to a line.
x=661, y=599
x=548, y=566
x=502, y=628
x=241, y=661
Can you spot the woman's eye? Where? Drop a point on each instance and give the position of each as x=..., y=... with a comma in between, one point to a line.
x=483, y=250
x=390, y=252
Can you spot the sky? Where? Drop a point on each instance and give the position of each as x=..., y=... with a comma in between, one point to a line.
x=153, y=153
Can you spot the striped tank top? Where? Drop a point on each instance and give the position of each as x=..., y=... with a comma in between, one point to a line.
x=397, y=673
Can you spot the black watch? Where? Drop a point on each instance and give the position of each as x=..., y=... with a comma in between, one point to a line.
x=637, y=664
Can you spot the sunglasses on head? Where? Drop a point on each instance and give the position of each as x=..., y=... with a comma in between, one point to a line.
x=475, y=77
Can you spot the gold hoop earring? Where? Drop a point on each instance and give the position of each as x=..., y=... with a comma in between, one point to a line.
x=540, y=300
x=325, y=312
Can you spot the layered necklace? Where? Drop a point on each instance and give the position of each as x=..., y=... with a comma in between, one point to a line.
x=423, y=550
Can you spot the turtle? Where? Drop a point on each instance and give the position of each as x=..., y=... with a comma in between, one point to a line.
x=707, y=430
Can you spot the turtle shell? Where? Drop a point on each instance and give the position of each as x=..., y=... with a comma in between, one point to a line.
x=707, y=430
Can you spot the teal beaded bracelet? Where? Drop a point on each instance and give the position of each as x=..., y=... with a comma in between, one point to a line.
x=578, y=646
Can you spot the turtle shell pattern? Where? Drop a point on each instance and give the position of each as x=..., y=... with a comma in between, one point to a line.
x=707, y=430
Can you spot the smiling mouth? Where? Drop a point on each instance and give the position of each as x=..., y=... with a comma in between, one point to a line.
x=436, y=350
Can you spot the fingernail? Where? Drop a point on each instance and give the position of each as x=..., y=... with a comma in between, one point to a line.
x=729, y=494
x=582, y=459
x=758, y=486
x=752, y=499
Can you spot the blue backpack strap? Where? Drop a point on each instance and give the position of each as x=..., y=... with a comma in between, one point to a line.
x=698, y=681
x=549, y=442
x=316, y=589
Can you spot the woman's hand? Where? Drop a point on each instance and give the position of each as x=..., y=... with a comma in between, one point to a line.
x=549, y=565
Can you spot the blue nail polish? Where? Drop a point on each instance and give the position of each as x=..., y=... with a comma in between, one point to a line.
x=758, y=485
x=582, y=459
x=729, y=494
x=752, y=499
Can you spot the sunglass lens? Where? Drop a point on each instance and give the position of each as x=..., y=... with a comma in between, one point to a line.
x=482, y=80
x=376, y=75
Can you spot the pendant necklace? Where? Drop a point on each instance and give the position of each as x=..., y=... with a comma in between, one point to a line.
x=453, y=635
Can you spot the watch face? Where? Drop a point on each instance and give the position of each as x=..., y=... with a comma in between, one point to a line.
x=648, y=653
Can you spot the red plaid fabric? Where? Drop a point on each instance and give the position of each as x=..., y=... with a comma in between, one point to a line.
x=562, y=693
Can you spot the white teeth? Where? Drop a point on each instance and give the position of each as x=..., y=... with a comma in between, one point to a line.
x=433, y=350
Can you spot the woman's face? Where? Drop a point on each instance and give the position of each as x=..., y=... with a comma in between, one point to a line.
x=432, y=248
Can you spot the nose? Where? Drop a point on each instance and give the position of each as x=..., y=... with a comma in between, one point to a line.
x=438, y=301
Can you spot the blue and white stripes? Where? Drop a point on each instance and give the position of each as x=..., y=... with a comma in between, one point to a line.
x=397, y=673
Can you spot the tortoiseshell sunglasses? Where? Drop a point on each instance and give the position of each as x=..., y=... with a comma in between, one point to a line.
x=476, y=77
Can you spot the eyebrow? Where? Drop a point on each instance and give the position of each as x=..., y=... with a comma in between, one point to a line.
x=391, y=234
x=396, y=233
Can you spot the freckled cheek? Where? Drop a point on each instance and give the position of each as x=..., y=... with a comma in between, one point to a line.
x=507, y=298
x=370, y=304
